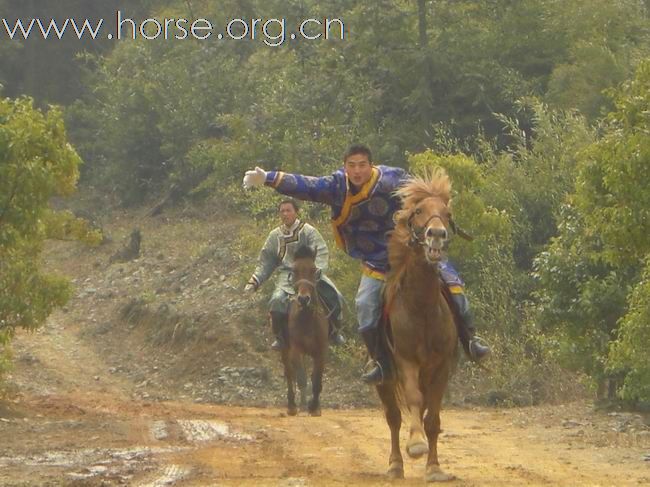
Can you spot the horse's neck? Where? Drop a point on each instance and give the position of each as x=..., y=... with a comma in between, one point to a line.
x=305, y=315
x=422, y=282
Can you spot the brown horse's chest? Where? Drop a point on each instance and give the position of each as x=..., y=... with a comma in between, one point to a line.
x=308, y=333
x=421, y=328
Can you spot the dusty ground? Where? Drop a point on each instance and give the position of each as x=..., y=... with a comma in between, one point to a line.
x=110, y=392
x=84, y=427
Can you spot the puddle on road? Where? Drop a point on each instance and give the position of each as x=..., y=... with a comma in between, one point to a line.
x=127, y=463
x=199, y=430
x=86, y=456
x=93, y=462
x=159, y=430
x=168, y=476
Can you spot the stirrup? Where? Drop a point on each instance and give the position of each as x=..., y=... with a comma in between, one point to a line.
x=368, y=377
x=336, y=339
x=278, y=345
x=481, y=343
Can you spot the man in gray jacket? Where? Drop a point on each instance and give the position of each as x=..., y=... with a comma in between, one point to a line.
x=277, y=253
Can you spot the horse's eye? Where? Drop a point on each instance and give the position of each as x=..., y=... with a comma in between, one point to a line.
x=418, y=211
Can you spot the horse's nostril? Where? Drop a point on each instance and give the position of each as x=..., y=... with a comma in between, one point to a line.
x=304, y=300
x=436, y=233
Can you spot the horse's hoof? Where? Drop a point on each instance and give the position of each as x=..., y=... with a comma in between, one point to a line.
x=315, y=412
x=396, y=472
x=292, y=411
x=434, y=474
x=416, y=450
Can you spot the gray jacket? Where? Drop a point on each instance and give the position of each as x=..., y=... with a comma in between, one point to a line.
x=278, y=252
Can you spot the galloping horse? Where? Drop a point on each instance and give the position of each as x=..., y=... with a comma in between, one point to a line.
x=420, y=329
x=308, y=330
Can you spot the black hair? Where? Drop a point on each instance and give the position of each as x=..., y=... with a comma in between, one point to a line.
x=291, y=202
x=357, y=149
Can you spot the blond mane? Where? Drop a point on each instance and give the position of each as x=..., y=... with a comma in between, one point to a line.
x=434, y=184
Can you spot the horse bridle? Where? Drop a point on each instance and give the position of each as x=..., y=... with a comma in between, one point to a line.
x=416, y=234
x=304, y=281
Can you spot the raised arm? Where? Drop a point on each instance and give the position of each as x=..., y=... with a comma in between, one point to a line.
x=324, y=189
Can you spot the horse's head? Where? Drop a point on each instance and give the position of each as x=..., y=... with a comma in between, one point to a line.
x=428, y=225
x=426, y=214
x=304, y=276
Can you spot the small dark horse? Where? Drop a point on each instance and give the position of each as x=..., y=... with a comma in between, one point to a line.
x=308, y=329
x=424, y=338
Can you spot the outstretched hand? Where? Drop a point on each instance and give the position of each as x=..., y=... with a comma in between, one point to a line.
x=255, y=178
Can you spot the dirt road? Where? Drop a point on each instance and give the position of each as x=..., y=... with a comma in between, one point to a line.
x=70, y=422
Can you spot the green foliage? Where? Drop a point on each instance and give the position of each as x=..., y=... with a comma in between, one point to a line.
x=579, y=299
x=590, y=290
x=36, y=163
x=629, y=353
x=614, y=196
x=197, y=114
x=605, y=40
x=612, y=192
x=532, y=182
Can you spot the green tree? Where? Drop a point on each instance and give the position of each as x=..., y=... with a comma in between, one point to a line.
x=36, y=163
x=629, y=353
x=614, y=195
x=592, y=289
x=605, y=40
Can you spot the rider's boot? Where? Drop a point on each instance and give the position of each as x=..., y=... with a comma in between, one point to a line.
x=473, y=345
x=280, y=327
x=335, y=336
x=382, y=370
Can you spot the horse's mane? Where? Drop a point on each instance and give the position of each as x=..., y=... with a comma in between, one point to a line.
x=434, y=183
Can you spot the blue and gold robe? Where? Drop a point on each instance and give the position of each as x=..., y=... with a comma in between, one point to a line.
x=361, y=219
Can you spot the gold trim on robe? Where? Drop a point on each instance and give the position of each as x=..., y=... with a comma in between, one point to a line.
x=351, y=200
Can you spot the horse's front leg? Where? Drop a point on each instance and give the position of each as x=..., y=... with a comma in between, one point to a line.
x=394, y=419
x=301, y=380
x=432, y=425
x=416, y=446
x=316, y=385
x=289, y=375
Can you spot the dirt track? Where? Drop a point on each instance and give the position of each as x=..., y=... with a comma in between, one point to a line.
x=75, y=424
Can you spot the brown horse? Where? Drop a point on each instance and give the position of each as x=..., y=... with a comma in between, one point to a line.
x=421, y=333
x=308, y=329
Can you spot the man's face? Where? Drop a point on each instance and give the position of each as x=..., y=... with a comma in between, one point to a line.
x=359, y=169
x=288, y=214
